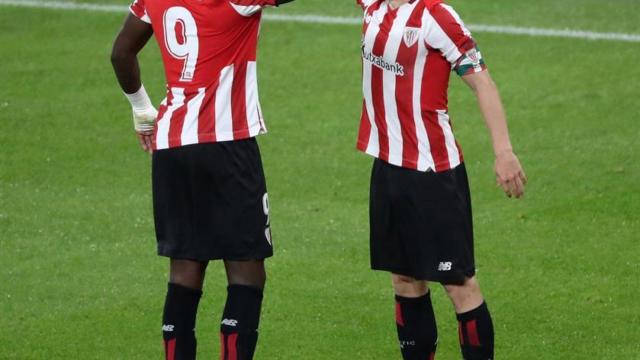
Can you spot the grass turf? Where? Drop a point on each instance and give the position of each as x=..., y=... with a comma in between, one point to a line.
x=79, y=278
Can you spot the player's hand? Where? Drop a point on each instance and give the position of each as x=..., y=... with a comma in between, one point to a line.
x=144, y=122
x=146, y=139
x=509, y=174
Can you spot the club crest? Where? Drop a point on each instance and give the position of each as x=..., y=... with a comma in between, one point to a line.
x=474, y=56
x=411, y=35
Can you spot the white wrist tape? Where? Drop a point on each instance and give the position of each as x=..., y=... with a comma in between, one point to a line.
x=139, y=100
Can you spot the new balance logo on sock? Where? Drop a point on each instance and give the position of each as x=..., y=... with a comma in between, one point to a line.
x=167, y=328
x=230, y=322
x=444, y=266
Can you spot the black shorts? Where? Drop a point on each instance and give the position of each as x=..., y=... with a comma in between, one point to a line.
x=210, y=202
x=421, y=223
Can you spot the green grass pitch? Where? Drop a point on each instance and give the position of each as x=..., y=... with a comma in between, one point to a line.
x=79, y=278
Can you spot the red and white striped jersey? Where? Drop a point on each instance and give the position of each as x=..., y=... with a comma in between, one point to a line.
x=209, y=53
x=408, y=54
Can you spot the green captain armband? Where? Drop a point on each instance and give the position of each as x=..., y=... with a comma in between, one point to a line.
x=469, y=63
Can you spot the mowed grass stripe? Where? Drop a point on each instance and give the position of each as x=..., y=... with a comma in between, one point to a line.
x=339, y=20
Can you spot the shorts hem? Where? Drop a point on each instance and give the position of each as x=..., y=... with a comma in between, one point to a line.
x=456, y=279
x=183, y=256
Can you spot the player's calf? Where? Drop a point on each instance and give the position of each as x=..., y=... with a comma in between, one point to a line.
x=475, y=330
x=415, y=320
x=416, y=326
x=475, y=327
x=239, y=326
x=179, y=322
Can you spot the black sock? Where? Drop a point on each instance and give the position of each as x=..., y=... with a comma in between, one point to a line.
x=239, y=327
x=417, y=330
x=179, y=322
x=475, y=330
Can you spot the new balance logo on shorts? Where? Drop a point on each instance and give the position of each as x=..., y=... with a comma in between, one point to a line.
x=444, y=266
x=167, y=328
x=230, y=322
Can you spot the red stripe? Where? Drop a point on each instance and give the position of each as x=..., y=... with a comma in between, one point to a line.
x=436, y=140
x=432, y=356
x=435, y=81
x=472, y=333
x=399, y=319
x=404, y=93
x=177, y=121
x=223, y=347
x=233, y=343
x=452, y=28
x=170, y=349
x=365, y=129
x=460, y=337
x=161, y=112
x=207, y=116
x=377, y=85
x=239, y=102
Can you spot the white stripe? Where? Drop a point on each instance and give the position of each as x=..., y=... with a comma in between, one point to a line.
x=373, y=145
x=425, y=158
x=190, y=127
x=338, y=20
x=162, y=137
x=224, y=117
x=394, y=129
x=254, y=122
x=449, y=140
x=437, y=38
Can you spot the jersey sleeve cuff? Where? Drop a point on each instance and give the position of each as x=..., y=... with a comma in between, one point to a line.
x=471, y=69
x=470, y=62
x=140, y=14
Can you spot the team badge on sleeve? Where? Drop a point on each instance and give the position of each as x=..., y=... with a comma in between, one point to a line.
x=470, y=62
x=474, y=56
x=411, y=36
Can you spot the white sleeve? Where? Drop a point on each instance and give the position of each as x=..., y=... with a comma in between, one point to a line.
x=250, y=7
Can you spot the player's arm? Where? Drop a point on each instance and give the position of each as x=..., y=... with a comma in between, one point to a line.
x=133, y=36
x=509, y=173
x=449, y=35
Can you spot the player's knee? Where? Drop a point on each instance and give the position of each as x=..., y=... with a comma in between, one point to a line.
x=466, y=296
x=187, y=273
x=248, y=273
x=407, y=286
